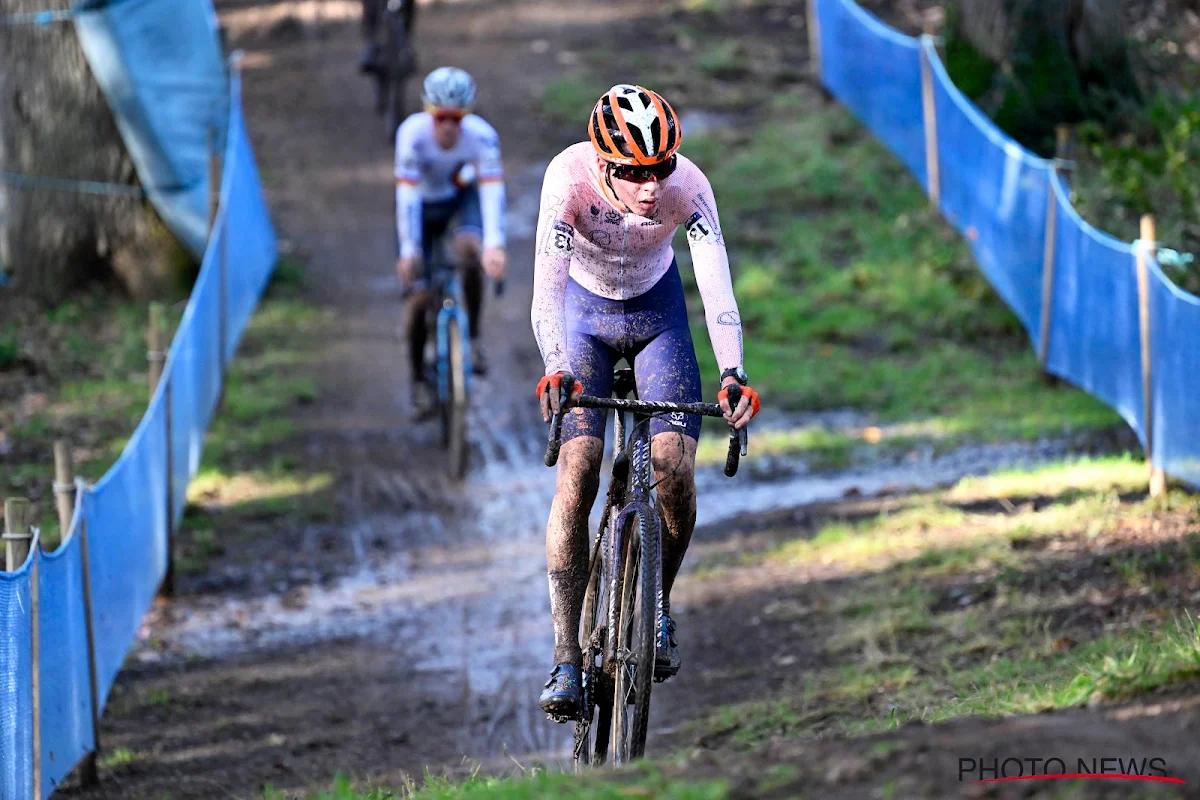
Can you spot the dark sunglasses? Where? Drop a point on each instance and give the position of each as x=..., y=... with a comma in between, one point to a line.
x=440, y=115
x=637, y=173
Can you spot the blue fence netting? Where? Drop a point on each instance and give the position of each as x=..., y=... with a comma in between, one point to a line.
x=123, y=520
x=884, y=90
x=160, y=66
x=997, y=194
x=1095, y=338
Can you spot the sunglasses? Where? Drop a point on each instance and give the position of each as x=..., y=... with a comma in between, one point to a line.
x=638, y=173
x=446, y=115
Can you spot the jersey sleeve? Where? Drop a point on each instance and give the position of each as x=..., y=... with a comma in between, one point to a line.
x=408, y=193
x=710, y=262
x=554, y=244
x=491, y=182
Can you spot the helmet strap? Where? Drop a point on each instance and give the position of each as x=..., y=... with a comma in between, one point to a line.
x=611, y=188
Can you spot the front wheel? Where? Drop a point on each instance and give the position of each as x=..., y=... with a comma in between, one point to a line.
x=640, y=591
x=454, y=408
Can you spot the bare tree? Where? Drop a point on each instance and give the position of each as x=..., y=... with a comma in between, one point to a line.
x=56, y=123
x=1058, y=60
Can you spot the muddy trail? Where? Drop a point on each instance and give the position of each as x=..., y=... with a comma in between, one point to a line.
x=410, y=631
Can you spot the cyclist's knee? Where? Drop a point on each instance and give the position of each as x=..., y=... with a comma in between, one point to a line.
x=468, y=249
x=673, y=457
x=579, y=467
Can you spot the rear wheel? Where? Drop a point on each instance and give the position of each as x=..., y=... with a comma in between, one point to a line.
x=454, y=411
x=640, y=591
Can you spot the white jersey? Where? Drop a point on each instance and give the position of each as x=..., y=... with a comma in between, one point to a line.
x=619, y=255
x=425, y=173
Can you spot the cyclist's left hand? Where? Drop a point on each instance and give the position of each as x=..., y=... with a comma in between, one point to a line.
x=747, y=407
x=495, y=262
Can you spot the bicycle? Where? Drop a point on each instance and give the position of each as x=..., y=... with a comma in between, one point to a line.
x=624, y=592
x=391, y=80
x=446, y=316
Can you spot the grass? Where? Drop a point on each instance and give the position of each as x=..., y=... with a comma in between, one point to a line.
x=856, y=295
x=1010, y=594
x=95, y=393
x=639, y=781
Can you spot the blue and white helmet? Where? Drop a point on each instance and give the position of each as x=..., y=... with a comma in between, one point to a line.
x=449, y=87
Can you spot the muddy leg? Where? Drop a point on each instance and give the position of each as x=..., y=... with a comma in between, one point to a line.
x=567, y=541
x=418, y=333
x=675, y=465
x=467, y=248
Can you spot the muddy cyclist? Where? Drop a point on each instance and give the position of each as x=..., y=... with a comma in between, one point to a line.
x=448, y=173
x=606, y=287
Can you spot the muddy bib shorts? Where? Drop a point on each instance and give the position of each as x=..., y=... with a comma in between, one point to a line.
x=649, y=331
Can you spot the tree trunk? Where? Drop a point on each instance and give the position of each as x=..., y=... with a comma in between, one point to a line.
x=56, y=123
x=1058, y=61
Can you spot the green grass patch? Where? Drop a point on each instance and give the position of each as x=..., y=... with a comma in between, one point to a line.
x=568, y=99
x=856, y=295
x=643, y=780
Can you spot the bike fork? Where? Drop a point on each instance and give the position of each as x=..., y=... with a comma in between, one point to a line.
x=445, y=314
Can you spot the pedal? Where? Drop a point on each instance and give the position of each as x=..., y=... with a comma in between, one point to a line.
x=562, y=718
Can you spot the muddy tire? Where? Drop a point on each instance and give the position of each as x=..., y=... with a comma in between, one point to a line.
x=454, y=412
x=635, y=648
x=592, y=731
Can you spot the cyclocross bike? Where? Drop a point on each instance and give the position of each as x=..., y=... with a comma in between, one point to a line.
x=622, y=608
x=446, y=316
x=399, y=62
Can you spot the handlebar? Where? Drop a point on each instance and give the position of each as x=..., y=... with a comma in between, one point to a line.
x=738, y=437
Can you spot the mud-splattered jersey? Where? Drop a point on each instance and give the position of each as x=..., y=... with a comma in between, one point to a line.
x=621, y=255
x=425, y=173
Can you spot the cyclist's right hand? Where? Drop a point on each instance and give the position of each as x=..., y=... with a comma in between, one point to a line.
x=549, y=389
x=408, y=268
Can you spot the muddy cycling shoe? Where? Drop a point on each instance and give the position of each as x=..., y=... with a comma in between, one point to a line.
x=422, y=400
x=563, y=693
x=666, y=652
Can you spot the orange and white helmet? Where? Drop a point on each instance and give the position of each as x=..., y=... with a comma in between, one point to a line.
x=633, y=125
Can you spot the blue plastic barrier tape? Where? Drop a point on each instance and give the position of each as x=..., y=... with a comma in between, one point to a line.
x=39, y=17
x=126, y=511
x=68, y=185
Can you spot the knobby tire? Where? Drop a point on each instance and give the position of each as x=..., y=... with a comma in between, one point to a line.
x=640, y=593
x=455, y=410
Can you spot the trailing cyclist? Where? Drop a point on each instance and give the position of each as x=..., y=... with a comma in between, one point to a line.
x=372, y=13
x=448, y=173
x=606, y=287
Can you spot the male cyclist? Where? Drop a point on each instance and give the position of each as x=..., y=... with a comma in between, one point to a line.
x=606, y=286
x=372, y=13
x=448, y=171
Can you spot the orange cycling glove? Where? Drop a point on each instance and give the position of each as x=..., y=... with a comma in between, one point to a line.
x=555, y=382
x=747, y=393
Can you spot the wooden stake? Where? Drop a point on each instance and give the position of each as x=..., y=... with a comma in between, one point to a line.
x=18, y=538
x=928, y=102
x=1148, y=246
x=156, y=342
x=168, y=584
x=18, y=541
x=214, y=180
x=88, y=773
x=64, y=487
x=814, y=43
x=1048, y=264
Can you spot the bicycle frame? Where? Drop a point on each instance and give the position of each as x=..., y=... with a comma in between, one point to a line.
x=637, y=498
x=447, y=299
